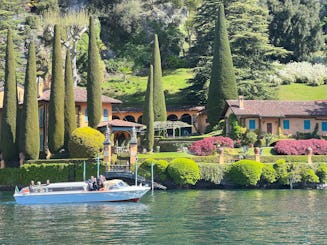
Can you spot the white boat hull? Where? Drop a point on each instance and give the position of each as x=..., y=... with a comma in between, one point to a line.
x=131, y=193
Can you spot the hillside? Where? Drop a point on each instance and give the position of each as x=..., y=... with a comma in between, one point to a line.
x=131, y=92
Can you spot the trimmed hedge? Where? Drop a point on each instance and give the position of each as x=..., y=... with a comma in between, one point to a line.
x=183, y=171
x=298, y=147
x=159, y=169
x=212, y=172
x=60, y=172
x=245, y=172
x=86, y=142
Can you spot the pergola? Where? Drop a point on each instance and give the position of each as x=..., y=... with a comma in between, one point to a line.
x=163, y=126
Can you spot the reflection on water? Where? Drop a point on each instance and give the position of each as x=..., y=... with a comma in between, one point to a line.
x=173, y=217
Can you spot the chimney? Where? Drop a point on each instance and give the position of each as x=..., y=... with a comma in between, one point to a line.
x=241, y=101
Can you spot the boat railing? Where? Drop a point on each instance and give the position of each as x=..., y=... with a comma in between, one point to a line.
x=120, y=167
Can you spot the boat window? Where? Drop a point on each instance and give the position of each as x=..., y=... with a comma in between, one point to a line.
x=67, y=188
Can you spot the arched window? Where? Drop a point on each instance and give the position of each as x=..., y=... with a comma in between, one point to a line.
x=105, y=115
x=86, y=118
x=172, y=117
x=129, y=118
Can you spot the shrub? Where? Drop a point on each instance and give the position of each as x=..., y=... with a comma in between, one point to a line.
x=309, y=176
x=212, y=172
x=245, y=172
x=281, y=170
x=207, y=146
x=183, y=171
x=298, y=147
x=85, y=142
x=159, y=169
x=322, y=173
x=268, y=174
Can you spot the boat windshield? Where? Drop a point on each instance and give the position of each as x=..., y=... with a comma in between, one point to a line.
x=115, y=184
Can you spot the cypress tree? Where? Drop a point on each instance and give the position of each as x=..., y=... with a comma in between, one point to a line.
x=222, y=82
x=70, y=121
x=148, y=115
x=94, y=103
x=56, y=105
x=30, y=118
x=159, y=104
x=9, y=111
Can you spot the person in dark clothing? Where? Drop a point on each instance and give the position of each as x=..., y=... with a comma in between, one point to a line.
x=100, y=183
x=92, y=184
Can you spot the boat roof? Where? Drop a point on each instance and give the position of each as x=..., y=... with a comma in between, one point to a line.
x=66, y=184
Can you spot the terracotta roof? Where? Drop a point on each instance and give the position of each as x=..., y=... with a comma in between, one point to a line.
x=120, y=123
x=277, y=108
x=169, y=108
x=81, y=96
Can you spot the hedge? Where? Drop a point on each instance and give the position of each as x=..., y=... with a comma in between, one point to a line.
x=183, y=171
x=55, y=172
x=212, y=172
x=245, y=172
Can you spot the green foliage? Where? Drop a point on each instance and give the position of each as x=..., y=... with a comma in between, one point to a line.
x=250, y=137
x=309, y=176
x=30, y=116
x=55, y=172
x=222, y=82
x=148, y=113
x=212, y=172
x=235, y=128
x=159, y=169
x=159, y=104
x=85, y=142
x=245, y=172
x=322, y=173
x=281, y=169
x=70, y=120
x=56, y=104
x=268, y=174
x=94, y=79
x=183, y=171
x=296, y=26
x=9, y=111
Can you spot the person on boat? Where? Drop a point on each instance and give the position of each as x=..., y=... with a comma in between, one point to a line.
x=32, y=186
x=100, y=182
x=92, y=183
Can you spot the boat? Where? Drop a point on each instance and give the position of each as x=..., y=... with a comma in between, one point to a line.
x=114, y=190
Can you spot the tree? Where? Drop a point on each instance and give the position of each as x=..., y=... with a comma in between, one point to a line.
x=159, y=104
x=296, y=26
x=56, y=105
x=75, y=25
x=148, y=115
x=94, y=106
x=222, y=82
x=9, y=111
x=252, y=54
x=30, y=118
x=70, y=121
x=12, y=15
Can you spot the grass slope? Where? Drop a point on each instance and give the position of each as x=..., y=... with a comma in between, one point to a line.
x=298, y=91
x=132, y=91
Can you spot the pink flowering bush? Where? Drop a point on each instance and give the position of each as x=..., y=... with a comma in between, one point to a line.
x=298, y=147
x=208, y=146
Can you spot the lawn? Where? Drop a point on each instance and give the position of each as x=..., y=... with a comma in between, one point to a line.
x=298, y=91
x=132, y=91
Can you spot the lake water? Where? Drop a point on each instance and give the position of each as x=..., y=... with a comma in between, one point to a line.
x=173, y=217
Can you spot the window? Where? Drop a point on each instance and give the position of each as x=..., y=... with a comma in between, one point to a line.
x=324, y=126
x=105, y=115
x=286, y=124
x=307, y=124
x=86, y=118
x=41, y=117
x=251, y=124
x=41, y=141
